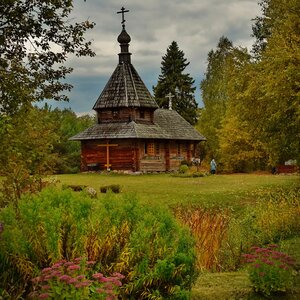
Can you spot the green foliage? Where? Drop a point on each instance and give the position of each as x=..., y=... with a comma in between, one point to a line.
x=26, y=152
x=68, y=152
x=183, y=169
x=35, y=75
x=115, y=188
x=241, y=137
x=270, y=271
x=144, y=243
x=75, y=280
x=274, y=218
x=173, y=80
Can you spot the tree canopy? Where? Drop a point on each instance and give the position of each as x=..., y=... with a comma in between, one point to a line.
x=173, y=80
x=36, y=38
x=251, y=116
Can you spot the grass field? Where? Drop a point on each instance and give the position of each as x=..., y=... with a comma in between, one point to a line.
x=220, y=190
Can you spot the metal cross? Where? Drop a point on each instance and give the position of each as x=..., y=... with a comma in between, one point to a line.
x=122, y=11
x=170, y=96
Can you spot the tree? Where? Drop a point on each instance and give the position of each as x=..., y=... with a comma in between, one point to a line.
x=26, y=152
x=277, y=78
x=173, y=80
x=36, y=38
x=67, y=125
x=214, y=88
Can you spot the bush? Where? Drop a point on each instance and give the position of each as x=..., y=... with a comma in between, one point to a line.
x=115, y=188
x=270, y=271
x=144, y=243
x=183, y=169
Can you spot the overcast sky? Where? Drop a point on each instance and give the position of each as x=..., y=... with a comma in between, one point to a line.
x=196, y=25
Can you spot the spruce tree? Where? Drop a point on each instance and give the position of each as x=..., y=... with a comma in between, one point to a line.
x=173, y=80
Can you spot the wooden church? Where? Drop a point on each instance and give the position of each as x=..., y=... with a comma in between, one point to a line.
x=132, y=133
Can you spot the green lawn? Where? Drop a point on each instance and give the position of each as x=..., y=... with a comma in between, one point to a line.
x=164, y=189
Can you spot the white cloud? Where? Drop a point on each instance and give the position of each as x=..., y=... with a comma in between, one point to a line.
x=196, y=25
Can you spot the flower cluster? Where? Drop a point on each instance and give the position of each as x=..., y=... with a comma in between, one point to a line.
x=72, y=280
x=270, y=271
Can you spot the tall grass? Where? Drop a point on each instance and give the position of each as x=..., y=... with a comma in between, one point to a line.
x=209, y=228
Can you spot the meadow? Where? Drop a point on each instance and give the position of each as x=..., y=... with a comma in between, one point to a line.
x=235, y=193
x=225, y=215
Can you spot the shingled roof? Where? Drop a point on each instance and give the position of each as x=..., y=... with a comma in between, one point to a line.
x=125, y=88
x=168, y=124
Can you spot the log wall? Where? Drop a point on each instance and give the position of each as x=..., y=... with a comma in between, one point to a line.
x=130, y=155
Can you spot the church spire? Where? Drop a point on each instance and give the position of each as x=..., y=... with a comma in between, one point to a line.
x=124, y=40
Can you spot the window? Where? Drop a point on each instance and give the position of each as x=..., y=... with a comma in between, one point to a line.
x=149, y=149
x=142, y=114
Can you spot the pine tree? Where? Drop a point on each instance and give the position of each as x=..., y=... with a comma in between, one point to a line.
x=173, y=80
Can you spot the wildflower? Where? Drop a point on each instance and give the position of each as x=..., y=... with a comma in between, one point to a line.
x=90, y=262
x=79, y=277
x=44, y=296
x=118, y=275
x=46, y=270
x=72, y=280
x=98, y=275
x=64, y=278
x=74, y=267
x=257, y=266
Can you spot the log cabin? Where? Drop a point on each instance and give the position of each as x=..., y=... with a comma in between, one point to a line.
x=132, y=133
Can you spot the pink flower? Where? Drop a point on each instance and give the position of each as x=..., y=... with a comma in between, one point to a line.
x=257, y=266
x=90, y=262
x=97, y=275
x=118, y=275
x=44, y=296
x=46, y=287
x=79, y=277
x=72, y=280
x=64, y=278
x=46, y=270
x=74, y=267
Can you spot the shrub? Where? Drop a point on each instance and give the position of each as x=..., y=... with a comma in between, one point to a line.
x=183, y=169
x=144, y=243
x=115, y=188
x=270, y=271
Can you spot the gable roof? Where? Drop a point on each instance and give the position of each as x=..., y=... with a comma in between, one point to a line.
x=168, y=124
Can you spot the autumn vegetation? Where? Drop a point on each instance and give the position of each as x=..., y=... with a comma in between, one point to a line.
x=160, y=236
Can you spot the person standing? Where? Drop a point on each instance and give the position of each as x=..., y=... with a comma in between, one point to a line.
x=213, y=166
